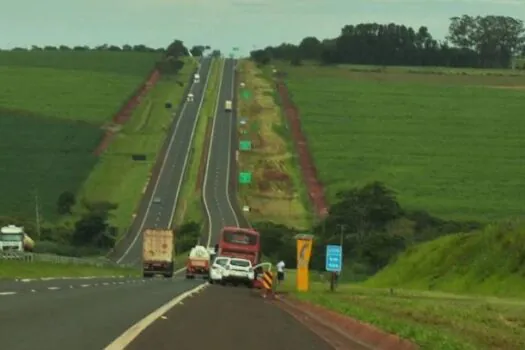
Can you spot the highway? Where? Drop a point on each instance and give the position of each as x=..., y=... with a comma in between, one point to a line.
x=167, y=178
x=219, y=203
x=81, y=318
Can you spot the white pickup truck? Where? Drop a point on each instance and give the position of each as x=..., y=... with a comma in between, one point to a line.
x=232, y=270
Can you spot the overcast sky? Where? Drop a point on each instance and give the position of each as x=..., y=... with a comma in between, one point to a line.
x=221, y=23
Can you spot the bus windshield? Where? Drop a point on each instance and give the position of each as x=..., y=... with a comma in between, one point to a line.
x=11, y=237
x=238, y=237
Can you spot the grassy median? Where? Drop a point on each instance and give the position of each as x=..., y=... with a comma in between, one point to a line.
x=190, y=206
x=22, y=269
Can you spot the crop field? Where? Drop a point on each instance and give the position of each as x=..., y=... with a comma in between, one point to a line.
x=52, y=107
x=117, y=177
x=45, y=155
x=276, y=193
x=448, y=141
x=88, y=86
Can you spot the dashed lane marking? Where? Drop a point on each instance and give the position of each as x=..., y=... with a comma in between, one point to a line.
x=71, y=286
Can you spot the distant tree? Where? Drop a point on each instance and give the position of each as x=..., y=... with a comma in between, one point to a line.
x=20, y=49
x=494, y=38
x=142, y=48
x=170, y=65
x=81, y=48
x=216, y=53
x=260, y=57
x=114, y=48
x=198, y=50
x=127, y=47
x=176, y=49
x=35, y=48
x=64, y=48
x=65, y=202
x=50, y=48
x=310, y=48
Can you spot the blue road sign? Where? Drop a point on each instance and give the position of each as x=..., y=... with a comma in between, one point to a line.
x=334, y=258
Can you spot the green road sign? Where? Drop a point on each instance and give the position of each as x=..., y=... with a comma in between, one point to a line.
x=246, y=94
x=245, y=145
x=245, y=177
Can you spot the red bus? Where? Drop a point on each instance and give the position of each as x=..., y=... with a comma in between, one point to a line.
x=239, y=242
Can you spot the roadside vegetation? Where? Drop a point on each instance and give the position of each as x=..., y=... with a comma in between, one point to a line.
x=117, y=178
x=21, y=269
x=276, y=193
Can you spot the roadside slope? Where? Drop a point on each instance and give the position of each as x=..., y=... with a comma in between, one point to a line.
x=490, y=262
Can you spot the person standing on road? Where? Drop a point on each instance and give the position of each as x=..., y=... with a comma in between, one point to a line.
x=280, y=271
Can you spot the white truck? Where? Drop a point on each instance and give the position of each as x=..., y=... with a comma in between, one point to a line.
x=157, y=252
x=196, y=78
x=228, y=106
x=190, y=97
x=14, y=239
x=198, y=263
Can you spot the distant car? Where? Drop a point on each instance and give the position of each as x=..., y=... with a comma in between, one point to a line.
x=157, y=200
x=237, y=271
x=190, y=97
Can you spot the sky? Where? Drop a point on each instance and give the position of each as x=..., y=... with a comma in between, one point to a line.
x=221, y=24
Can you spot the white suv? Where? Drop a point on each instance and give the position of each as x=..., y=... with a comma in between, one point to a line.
x=233, y=270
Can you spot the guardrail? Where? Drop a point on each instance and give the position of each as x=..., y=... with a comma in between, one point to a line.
x=57, y=259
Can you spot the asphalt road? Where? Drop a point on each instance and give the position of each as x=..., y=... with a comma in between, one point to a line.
x=11, y=287
x=167, y=178
x=240, y=320
x=82, y=318
x=219, y=204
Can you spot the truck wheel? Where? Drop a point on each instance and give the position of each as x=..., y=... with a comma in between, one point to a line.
x=168, y=275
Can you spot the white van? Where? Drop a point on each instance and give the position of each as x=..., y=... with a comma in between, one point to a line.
x=196, y=78
x=228, y=106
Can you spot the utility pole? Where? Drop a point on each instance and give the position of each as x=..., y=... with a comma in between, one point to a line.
x=37, y=214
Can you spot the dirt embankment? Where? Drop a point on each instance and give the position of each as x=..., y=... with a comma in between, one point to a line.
x=123, y=115
x=306, y=162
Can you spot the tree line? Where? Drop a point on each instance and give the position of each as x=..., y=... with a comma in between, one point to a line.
x=372, y=225
x=477, y=42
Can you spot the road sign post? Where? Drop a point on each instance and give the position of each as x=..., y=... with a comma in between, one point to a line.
x=334, y=262
x=304, y=252
x=245, y=177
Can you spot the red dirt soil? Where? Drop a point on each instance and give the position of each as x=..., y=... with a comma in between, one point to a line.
x=307, y=165
x=123, y=115
x=352, y=329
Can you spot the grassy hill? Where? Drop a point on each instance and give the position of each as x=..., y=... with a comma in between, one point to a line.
x=446, y=140
x=52, y=107
x=490, y=262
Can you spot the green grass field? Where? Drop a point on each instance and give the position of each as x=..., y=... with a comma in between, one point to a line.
x=21, y=269
x=52, y=107
x=116, y=177
x=413, y=297
x=44, y=155
x=448, y=141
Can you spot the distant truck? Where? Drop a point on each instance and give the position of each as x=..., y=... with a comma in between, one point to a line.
x=157, y=252
x=14, y=239
x=228, y=106
x=196, y=78
x=198, y=263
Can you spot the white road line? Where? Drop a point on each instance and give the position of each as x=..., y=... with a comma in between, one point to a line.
x=53, y=288
x=87, y=285
x=190, y=144
x=168, y=149
x=134, y=331
x=7, y=293
x=228, y=165
x=208, y=213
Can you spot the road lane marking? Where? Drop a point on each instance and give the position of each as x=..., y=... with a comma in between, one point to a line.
x=170, y=144
x=53, y=288
x=134, y=331
x=206, y=207
x=7, y=293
